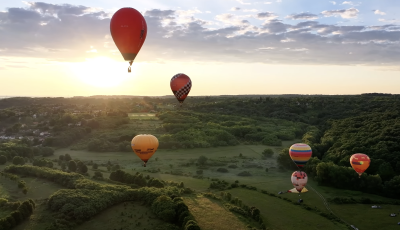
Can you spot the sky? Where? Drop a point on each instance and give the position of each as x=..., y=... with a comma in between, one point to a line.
x=227, y=47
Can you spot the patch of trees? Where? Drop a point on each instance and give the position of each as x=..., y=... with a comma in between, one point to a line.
x=267, y=153
x=65, y=138
x=20, y=212
x=12, y=149
x=43, y=162
x=198, y=130
x=219, y=184
x=126, y=178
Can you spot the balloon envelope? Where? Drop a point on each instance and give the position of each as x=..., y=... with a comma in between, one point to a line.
x=360, y=162
x=180, y=86
x=300, y=154
x=144, y=146
x=128, y=29
x=299, y=180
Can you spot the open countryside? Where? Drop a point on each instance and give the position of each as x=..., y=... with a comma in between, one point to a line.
x=59, y=150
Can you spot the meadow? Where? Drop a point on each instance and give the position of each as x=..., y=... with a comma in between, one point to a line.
x=278, y=214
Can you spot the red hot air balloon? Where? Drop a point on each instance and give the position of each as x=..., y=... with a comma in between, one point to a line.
x=180, y=86
x=128, y=29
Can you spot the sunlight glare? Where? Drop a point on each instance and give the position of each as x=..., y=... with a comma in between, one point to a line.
x=103, y=72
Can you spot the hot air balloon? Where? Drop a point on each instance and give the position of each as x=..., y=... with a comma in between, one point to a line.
x=299, y=180
x=144, y=146
x=300, y=154
x=128, y=29
x=180, y=86
x=360, y=162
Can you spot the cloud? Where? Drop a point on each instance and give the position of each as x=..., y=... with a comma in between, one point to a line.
x=379, y=12
x=179, y=35
x=333, y=2
x=302, y=16
x=243, y=3
x=160, y=13
x=250, y=10
x=351, y=3
x=349, y=13
x=235, y=8
x=266, y=16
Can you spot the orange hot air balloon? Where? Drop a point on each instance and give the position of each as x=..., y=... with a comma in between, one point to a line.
x=128, y=29
x=144, y=146
x=180, y=86
x=360, y=162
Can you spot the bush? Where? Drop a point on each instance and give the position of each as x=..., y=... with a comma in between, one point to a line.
x=244, y=173
x=223, y=170
x=3, y=159
x=17, y=160
x=268, y=153
x=164, y=208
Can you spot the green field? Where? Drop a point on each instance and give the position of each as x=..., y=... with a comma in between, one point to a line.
x=278, y=214
x=142, y=116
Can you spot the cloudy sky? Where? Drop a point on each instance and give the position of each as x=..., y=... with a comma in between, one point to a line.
x=64, y=48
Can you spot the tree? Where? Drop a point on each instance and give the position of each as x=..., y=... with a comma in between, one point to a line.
x=83, y=169
x=95, y=166
x=98, y=174
x=202, y=160
x=67, y=157
x=268, y=153
x=386, y=171
x=61, y=157
x=284, y=159
x=3, y=159
x=72, y=166
x=17, y=160
x=164, y=208
x=63, y=166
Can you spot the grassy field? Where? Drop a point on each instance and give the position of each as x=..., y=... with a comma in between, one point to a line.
x=272, y=181
x=130, y=215
x=38, y=189
x=212, y=215
x=140, y=116
x=278, y=214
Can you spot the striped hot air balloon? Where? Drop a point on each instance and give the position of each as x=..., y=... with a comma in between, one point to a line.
x=360, y=162
x=300, y=154
x=180, y=86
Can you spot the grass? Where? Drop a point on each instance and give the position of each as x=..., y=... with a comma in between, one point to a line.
x=211, y=215
x=371, y=218
x=38, y=189
x=112, y=219
x=141, y=116
x=39, y=220
x=277, y=213
x=282, y=215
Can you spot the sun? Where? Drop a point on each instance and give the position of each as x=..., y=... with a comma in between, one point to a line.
x=102, y=72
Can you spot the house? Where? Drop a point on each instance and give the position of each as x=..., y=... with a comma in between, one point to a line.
x=34, y=116
x=393, y=215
